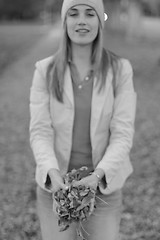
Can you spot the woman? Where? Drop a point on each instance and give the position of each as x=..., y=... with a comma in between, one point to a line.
x=82, y=113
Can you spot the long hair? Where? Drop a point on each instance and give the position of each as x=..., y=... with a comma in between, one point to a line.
x=101, y=61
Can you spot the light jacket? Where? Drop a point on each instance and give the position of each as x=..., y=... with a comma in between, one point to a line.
x=111, y=128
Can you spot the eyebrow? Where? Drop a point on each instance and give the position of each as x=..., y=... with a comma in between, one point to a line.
x=90, y=9
x=87, y=9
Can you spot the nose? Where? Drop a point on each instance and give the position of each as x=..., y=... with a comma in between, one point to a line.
x=82, y=20
x=81, y=24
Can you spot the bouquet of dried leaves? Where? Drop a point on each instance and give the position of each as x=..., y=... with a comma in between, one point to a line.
x=75, y=204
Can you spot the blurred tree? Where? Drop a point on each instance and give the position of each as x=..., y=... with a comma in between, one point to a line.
x=18, y=9
x=52, y=8
x=151, y=7
x=47, y=10
x=126, y=16
x=134, y=17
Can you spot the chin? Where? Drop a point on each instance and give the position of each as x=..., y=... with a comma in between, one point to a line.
x=83, y=43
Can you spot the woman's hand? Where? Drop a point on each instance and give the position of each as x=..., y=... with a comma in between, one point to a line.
x=89, y=181
x=56, y=180
x=92, y=180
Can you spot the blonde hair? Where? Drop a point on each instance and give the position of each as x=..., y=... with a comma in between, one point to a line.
x=101, y=60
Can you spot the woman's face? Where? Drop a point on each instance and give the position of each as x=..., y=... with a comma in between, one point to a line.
x=82, y=24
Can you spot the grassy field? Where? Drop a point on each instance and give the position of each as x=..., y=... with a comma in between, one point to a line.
x=18, y=212
x=140, y=219
x=142, y=192
x=16, y=40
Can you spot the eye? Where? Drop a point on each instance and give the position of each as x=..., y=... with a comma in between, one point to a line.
x=90, y=13
x=72, y=13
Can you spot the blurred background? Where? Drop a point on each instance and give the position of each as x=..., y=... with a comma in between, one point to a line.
x=30, y=31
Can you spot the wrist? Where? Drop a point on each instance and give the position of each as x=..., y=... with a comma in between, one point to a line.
x=97, y=176
x=53, y=171
x=99, y=172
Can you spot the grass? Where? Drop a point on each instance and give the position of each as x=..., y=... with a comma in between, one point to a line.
x=140, y=219
x=18, y=216
x=16, y=40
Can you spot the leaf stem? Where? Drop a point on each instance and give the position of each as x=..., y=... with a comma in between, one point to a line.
x=103, y=200
x=84, y=229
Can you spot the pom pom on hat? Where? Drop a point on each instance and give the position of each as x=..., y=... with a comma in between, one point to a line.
x=96, y=4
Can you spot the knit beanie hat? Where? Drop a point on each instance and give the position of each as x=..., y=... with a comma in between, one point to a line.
x=96, y=4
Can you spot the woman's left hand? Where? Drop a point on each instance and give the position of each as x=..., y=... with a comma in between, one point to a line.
x=89, y=181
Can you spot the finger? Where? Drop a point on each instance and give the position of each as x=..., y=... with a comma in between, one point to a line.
x=63, y=186
x=54, y=189
x=81, y=183
x=77, y=183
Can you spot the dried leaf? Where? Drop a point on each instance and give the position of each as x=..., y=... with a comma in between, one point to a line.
x=75, y=204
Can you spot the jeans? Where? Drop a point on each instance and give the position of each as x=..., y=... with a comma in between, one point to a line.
x=103, y=224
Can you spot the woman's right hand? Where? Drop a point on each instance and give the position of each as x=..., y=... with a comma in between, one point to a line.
x=56, y=180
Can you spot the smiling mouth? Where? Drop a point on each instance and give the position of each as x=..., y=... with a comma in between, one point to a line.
x=82, y=30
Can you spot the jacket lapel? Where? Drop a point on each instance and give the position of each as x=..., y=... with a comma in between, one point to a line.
x=98, y=100
x=68, y=88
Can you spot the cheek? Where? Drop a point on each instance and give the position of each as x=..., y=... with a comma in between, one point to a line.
x=96, y=30
x=69, y=30
x=95, y=26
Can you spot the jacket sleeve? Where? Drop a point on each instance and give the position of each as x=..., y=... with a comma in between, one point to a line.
x=41, y=130
x=122, y=123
